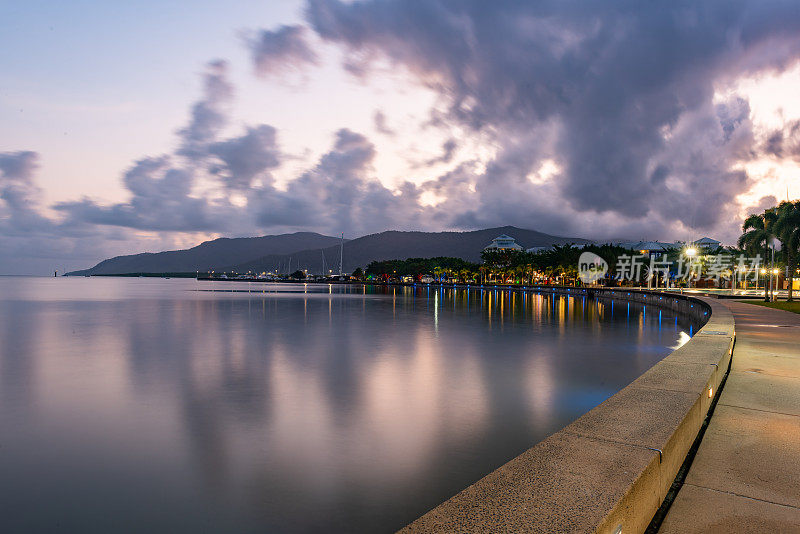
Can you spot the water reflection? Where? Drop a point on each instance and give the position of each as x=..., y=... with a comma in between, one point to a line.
x=132, y=405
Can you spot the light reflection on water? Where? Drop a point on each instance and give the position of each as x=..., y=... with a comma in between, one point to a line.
x=159, y=405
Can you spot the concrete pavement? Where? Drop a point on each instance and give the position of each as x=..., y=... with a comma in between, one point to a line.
x=746, y=475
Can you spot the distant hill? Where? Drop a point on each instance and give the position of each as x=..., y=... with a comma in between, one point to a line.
x=209, y=255
x=305, y=250
x=392, y=245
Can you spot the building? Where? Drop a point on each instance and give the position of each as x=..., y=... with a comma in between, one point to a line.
x=502, y=242
x=707, y=243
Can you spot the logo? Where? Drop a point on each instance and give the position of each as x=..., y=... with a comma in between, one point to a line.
x=591, y=267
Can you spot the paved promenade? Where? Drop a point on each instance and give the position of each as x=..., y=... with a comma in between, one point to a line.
x=746, y=475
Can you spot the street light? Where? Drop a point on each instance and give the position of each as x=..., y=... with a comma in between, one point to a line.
x=690, y=252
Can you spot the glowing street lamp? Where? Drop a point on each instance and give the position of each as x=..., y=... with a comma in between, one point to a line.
x=691, y=252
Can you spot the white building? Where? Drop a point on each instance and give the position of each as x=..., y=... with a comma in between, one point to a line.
x=502, y=242
x=707, y=243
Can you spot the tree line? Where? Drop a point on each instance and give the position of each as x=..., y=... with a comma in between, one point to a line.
x=558, y=264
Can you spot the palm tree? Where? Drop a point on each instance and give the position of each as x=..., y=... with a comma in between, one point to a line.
x=482, y=270
x=529, y=273
x=787, y=228
x=759, y=232
x=520, y=273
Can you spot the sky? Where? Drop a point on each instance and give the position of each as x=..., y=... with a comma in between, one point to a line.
x=147, y=126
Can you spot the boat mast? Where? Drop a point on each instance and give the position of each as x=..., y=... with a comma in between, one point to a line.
x=341, y=256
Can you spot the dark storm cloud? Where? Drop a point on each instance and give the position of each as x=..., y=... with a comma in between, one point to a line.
x=611, y=78
x=278, y=50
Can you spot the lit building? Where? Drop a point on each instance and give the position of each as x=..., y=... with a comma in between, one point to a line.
x=503, y=242
x=707, y=243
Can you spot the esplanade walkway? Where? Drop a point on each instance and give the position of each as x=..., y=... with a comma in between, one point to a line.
x=746, y=474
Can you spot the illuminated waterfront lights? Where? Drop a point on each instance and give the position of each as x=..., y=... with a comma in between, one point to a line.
x=776, y=271
x=763, y=271
x=690, y=251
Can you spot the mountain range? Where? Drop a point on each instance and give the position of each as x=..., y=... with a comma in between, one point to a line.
x=308, y=250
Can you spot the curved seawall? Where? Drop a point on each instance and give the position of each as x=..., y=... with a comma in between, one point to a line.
x=608, y=471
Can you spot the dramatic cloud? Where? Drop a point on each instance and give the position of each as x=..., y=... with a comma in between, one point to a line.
x=606, y=120
x=339, y=192
x=276, y=51
x=610, y=81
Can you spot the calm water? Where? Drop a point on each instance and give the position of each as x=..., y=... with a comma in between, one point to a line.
x=140, y=405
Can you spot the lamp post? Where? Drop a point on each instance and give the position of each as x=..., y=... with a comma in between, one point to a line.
x=733, y=279
x=774, y=287
x=691, y=252
x=772, y=265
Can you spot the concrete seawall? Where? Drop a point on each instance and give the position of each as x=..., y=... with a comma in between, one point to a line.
x=609, y=470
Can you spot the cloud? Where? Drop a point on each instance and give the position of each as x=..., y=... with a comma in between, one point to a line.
x=247, y=157
x=160, y=202
x=448, y=151
x=784, y=142
x=18, y=166
x=32, y=242
x=611, y=80
x=340, y=193
x=209, y=114
x=381, y=126
x=276, y=51
x=162, y=187
x=20, y=196
x=588, y=119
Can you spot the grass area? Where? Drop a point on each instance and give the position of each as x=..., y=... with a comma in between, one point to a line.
x=793, y=306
